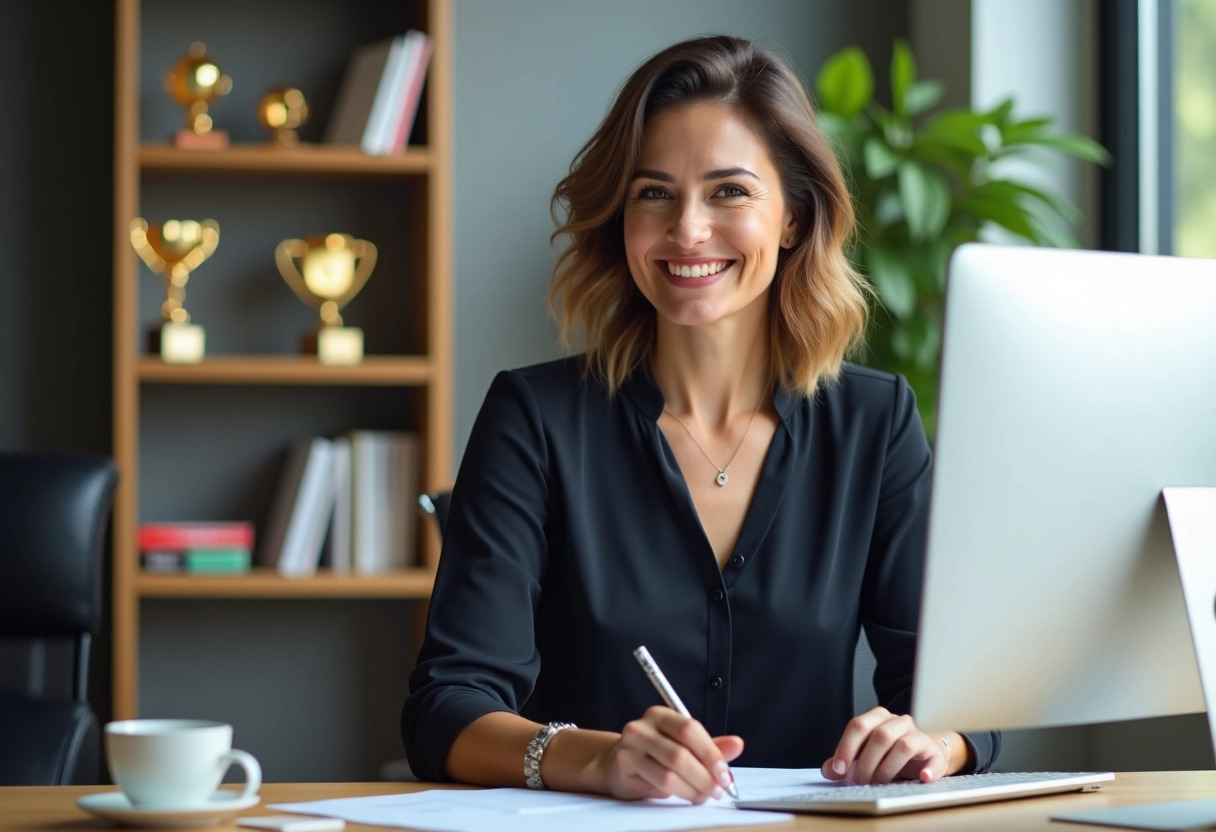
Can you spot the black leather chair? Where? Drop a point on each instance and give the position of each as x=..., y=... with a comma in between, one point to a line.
x=53, y=514
x=435, y=504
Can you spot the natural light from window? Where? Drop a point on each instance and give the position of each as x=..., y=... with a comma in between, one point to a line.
x=1195, y=129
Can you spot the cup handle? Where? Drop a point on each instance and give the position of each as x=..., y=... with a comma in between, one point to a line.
x=253, y=771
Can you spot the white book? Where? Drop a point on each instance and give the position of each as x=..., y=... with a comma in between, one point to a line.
x=340, y=529
x=357, y=95
x=384, y=489
x=382, y=120
x=301, y=509
x=366, y=481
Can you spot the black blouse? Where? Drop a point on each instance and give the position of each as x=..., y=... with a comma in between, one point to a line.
x=572, y=538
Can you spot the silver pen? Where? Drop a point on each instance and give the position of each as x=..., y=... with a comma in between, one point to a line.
x=671, y=697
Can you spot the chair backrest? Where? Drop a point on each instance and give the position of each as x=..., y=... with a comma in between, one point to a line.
x=53, y=514
x=436, y=505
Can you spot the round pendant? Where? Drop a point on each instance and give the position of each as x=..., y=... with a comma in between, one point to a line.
x=722, y=478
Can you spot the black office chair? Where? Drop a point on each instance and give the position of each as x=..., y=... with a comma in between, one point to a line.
x=53, y=513
x=435, y=505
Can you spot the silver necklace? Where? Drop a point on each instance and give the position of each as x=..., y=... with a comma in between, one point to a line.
x=722, y=478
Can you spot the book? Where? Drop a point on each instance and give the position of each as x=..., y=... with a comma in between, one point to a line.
x=384, y=491
x=301, y=509
x=382, y=120
x=221, y=560
x=356, y=97
x=365, y=110
x=340, y=529
x=177, y=536
x=418, y=51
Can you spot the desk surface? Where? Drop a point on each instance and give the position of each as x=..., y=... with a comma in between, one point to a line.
x=47, y=808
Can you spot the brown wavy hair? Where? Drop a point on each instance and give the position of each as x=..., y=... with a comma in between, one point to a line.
x=818, y=306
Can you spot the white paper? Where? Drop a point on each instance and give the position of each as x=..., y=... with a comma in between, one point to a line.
x=528, y=810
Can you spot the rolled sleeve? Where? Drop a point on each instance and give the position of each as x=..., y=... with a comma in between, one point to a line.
x=479, y=655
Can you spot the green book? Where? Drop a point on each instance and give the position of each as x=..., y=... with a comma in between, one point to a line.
x=235, y=559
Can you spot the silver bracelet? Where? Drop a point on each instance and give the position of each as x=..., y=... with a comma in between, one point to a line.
x=536, y=750
x=946, y=743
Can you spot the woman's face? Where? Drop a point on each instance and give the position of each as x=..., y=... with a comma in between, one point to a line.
x=704, y=215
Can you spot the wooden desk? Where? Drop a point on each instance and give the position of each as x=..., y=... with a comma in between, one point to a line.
x=47, y=808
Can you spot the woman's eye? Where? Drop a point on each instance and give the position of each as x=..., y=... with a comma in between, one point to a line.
x=731, y=190
x=652, y=192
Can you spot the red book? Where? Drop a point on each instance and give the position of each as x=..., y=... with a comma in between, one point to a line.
x=167, y=537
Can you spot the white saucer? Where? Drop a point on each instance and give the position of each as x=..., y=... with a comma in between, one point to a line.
x=116, y=807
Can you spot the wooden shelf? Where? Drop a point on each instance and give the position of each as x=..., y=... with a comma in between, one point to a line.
x=267, y=583
x=375, y=370
x=304, y=159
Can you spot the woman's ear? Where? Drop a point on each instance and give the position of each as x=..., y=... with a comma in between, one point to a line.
x=789, y=233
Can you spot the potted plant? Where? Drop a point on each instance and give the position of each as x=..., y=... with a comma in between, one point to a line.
x=923, y=184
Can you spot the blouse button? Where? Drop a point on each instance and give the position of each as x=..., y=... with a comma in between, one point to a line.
x=719, y=595
x=736, y=561
x=715, y=682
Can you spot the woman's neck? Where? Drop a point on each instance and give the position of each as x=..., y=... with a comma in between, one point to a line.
x=712, y=374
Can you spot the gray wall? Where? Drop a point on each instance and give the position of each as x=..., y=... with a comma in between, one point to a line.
x=533, y=79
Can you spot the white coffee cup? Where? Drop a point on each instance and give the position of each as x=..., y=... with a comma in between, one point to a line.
x=174, y=763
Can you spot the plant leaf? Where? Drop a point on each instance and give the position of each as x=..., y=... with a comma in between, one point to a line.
x=991, y=205
x=845, y=83
x=1073, y=144
x=881, y=161
x=903, y=75
x=893, y=280
x=922, y=95
x=1021, y=131
x=925, y=195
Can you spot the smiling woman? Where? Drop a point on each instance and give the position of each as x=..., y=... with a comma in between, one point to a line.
x=709, y=479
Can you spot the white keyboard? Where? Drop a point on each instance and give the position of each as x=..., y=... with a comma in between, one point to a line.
x=914, y=796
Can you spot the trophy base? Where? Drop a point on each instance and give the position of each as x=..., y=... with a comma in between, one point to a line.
x=336, y=345
x=185, y=139
x=178, y=343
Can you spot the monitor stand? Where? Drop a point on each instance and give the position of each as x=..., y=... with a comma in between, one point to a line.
x=1192, y=518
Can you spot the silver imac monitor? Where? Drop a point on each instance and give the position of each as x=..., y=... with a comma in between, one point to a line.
x=1075, y=386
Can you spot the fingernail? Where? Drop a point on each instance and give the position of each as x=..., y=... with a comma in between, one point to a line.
x=722, y=772
x=839, y=766
x=718, y=793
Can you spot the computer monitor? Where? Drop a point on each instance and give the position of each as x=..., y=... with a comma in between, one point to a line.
x=1075, y=386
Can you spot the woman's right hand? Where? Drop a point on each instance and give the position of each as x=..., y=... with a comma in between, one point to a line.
x=664, y=754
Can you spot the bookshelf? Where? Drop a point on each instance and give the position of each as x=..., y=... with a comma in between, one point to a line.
x=228, y=420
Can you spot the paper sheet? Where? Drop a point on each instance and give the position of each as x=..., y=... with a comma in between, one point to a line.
x=527, y=810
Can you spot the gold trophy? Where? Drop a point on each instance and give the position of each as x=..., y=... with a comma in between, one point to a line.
x=281, y=111
x=173, y=249
x=194, y=82
x=331, y=270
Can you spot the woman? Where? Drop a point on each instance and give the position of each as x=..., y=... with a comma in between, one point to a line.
x=708, y=479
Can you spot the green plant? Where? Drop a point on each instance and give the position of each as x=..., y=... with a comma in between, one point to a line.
x=922, y=185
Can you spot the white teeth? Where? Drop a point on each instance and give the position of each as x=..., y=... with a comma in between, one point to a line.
x=700, y=270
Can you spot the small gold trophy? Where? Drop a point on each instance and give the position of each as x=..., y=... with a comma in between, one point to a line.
x=173, y=249
x=281, y=111
x=194, y=82
x=332, y=269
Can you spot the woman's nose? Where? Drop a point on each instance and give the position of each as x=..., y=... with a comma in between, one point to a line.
x=689, y=225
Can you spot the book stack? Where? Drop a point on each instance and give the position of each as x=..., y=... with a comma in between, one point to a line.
x=196, y=547
x=348, y=500
x=378, y=100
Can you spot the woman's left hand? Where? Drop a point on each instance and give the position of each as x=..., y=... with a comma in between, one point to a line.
x=879, y=747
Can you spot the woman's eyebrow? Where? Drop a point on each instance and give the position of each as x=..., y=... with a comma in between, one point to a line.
x=720, y=173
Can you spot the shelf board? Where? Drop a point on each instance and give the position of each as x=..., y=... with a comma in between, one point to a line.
x=320, y=159
x=267, y=583
x=387, y=370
